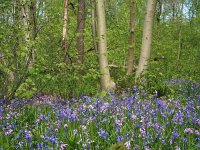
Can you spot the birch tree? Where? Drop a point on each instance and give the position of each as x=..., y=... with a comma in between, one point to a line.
x=146, y=38
x=106, y=82
x=25, y=11
x=65, y=29
x=28, y=14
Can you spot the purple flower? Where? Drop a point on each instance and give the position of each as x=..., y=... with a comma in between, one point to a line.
x=197, y=132
x=198, y=122
x=174, y=135
x=1, y=110
x=117, y=130
x=134, y=89
x=147, y=148
x=73, y=115
x=104, y=107
x=184, y=139
x=28, y=136
x=161, y=103
x=142, y=132
x=102, y=133
x=118, y=123
x=75, y=132
x=53, y=140
x=178, y=118
x=40, y=145
x=128, y=144
x=134, y=117
x=104, y=120
x=119, y=139
x=189, y=130
x=177, y=148
x=63, y=146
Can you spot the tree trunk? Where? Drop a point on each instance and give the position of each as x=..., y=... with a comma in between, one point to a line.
x=173, y=10
x=180, y=38
x=25, y=12
x=131, y=39
x=94, y=26
x=28, y=12
x=33, y=26
x=65, y=29
x=106, y=82
x=33, y=19
x=147, y=38
x=16, y=34
x=81, y=28
x=158, y=11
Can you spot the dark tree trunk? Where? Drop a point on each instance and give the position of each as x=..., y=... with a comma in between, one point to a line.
x=80, y=29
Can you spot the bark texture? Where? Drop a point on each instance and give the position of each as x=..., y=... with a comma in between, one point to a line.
x=28, y=13
x=94, y=26
x=25, y=13
x=65, y=29
x=81, y=28
x=131, y=39
x=146, y=38
x=106, y=82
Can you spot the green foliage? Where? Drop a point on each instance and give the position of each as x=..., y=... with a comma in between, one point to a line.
x=26, y=89
x=50, y=74
x=118, y=146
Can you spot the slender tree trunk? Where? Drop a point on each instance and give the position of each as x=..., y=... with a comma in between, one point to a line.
x=28, y=13
x=16, y=27
x=106, y=82
x=131, y=39
x=81, y=28
x=25, y=12
x=33, y=26
x=25, y=16
x=94, y=26
x=173, y=10
x=180, y=37
x=33, y=19
x=159, y=11
x=65, y=29
x=147, y=38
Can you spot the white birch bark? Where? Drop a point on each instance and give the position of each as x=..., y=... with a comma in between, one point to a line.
x=146, y=38
x=106, y=82
x=65, y=20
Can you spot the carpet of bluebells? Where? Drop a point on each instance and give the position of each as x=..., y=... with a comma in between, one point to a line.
x=135, y=120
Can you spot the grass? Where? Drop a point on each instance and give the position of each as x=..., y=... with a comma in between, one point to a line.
x=135, y=120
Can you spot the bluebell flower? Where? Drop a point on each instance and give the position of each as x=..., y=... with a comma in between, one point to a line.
x=75, y=132
x=117, y=129
x=118, y=123
x=28, y=136
x=40, y=145
x=102, y=133
x=128, y=145
x=184, y=140
x=104, y=120
x=119, y=139
x=1, y=110
x=134, y=89
x=178, y=118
